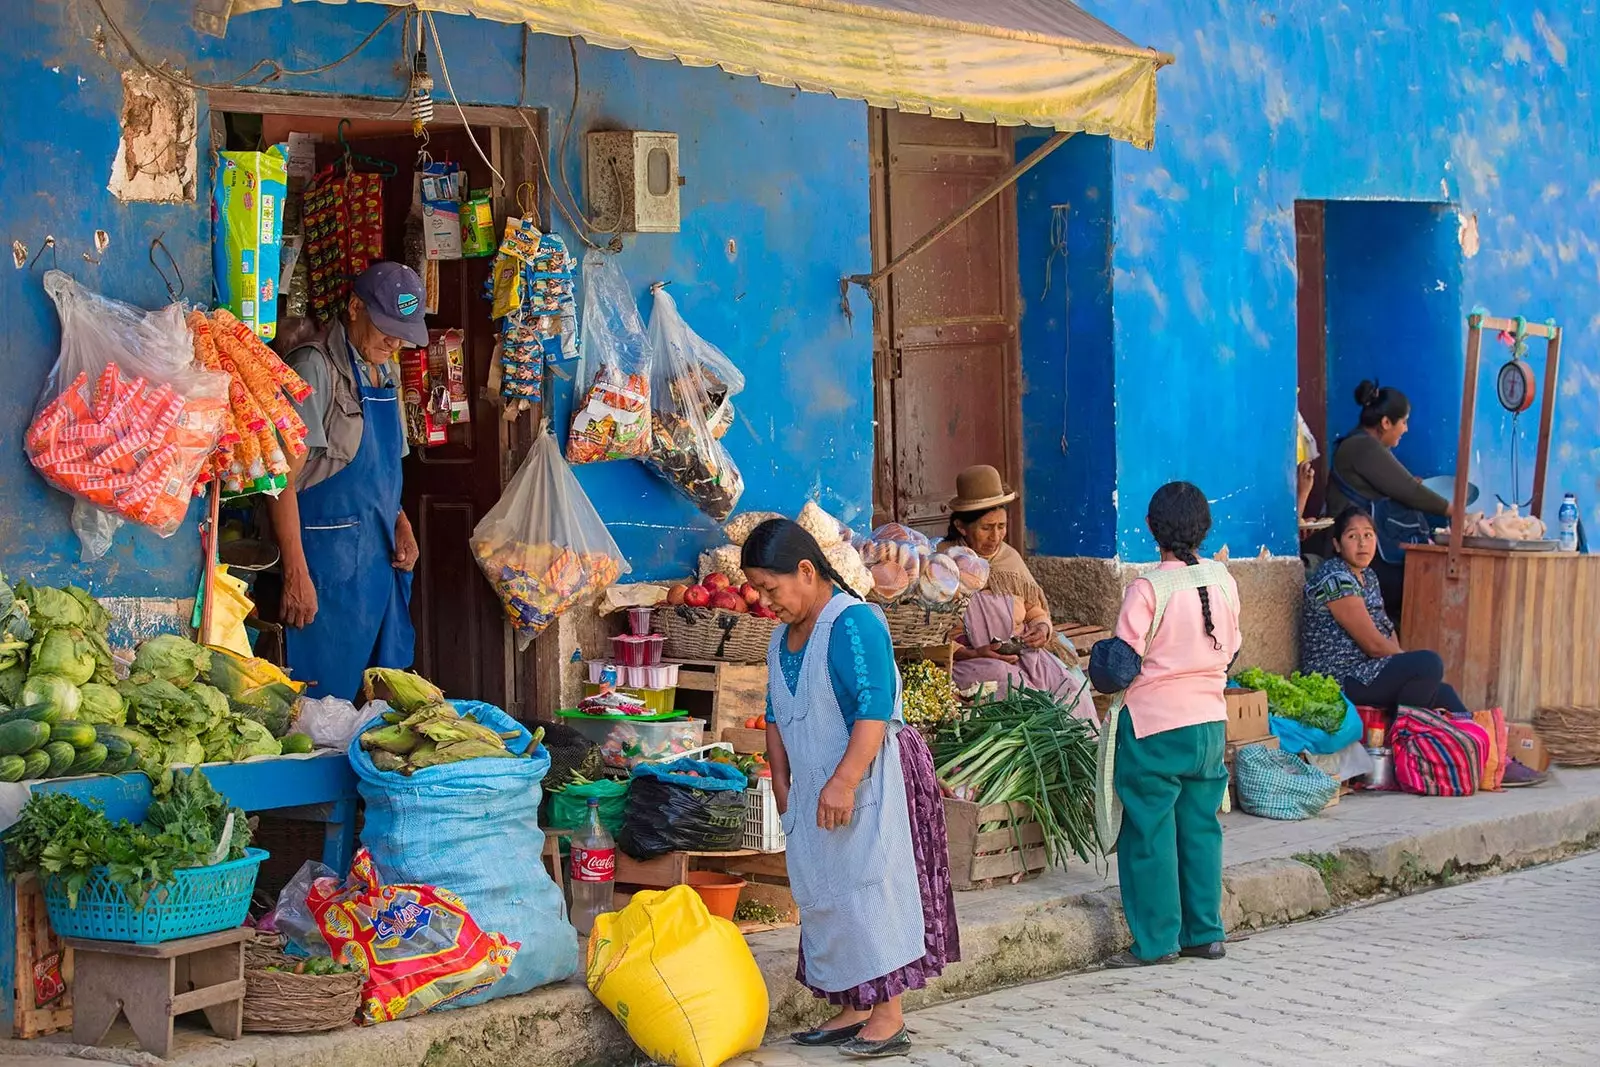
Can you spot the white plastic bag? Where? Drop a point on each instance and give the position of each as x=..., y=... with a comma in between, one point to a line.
x=332, y=721
x=611, y=408
x=683, y=448
x=292, y=917
x=543, y=546
x=127, y=419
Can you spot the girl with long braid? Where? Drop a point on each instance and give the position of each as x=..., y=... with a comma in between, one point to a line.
x=1175, y=640
x=868, y=863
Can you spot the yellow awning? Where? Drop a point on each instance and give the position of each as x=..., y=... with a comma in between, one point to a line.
x=1027, y=62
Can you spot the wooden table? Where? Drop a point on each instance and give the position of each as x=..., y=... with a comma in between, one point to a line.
x=1516, y=630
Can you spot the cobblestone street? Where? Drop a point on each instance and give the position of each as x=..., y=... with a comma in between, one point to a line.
x=1501, y=971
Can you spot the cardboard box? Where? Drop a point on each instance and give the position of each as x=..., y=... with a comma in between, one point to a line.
x=247, y=203
x=1525, y=746
x=1234, y=746
x=1247, y=714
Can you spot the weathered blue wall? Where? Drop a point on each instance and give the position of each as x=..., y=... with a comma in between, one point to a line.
x=1068, y=368
x=774, y=213
x=1488, y=106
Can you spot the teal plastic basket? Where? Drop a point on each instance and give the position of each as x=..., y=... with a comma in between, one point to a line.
x=196, y=900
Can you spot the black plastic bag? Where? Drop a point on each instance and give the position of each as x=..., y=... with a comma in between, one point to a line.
x=672, y=810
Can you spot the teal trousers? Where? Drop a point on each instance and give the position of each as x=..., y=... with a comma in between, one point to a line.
x=1169, y=854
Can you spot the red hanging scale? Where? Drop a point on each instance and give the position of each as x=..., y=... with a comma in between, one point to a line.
x=1514, y=385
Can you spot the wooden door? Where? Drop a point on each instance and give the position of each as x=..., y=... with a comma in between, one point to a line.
x=1312, y=326
x=947, y=367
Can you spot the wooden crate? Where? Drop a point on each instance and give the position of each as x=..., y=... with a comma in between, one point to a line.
x=942, y=656
x=1012, y=849
x=723, y=694
x=43, y=968
x=1083, y=635
x=745, y=742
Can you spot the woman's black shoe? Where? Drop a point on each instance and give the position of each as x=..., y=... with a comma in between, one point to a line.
x=825, y=1038
x=1214, y=951
x=1128, y=959
x=898, y=1045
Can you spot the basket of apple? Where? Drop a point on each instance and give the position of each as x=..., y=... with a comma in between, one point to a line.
x=716, y=620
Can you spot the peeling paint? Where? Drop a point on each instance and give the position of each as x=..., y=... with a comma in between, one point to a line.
x=1467, y=233
x=19, y=254
x=1552, y=43
x=155, y=160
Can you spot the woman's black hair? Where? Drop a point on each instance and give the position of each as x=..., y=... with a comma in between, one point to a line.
x=781, y=545
x=1381, y=402
x=1350, y=515
x=967, y=518
x=1180, y=518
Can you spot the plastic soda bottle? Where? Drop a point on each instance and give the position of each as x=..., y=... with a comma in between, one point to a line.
x=1567, y=522
x=594, y=871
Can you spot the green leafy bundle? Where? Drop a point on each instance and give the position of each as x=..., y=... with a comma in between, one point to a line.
x=1313, y=700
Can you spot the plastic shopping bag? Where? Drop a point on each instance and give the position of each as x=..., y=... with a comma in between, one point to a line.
x=543, y=546
x=419, y=947
x=681, y=981
x=126, y=421
x=611, y=409
x=684, y=449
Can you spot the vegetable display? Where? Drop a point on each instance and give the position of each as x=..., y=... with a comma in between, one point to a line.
x=928, y=694
x=192, y=826
x=424, y=730
x=1312, y=700
x=1029, y=749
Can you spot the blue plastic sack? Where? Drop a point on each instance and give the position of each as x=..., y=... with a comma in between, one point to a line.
x=712, y=777
x=473, y=828
x=1295, y=738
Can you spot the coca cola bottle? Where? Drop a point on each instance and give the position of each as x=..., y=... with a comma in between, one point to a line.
x=594, y=871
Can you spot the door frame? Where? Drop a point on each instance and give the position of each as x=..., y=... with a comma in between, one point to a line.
x=515, y=134
x=885, y=355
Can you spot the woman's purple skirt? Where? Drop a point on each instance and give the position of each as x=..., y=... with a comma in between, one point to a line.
x=932, y=852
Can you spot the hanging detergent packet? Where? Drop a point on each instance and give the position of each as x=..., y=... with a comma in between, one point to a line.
x=247, y=212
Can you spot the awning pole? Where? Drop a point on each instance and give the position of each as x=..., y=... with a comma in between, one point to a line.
x=995, y=188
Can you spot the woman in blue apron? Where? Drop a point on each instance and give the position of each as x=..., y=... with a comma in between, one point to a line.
x=868, y=862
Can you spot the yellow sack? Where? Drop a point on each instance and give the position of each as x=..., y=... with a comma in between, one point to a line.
x=681, y=982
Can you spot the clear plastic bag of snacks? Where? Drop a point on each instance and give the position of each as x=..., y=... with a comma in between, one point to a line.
x=126, y=421
x=611, y=410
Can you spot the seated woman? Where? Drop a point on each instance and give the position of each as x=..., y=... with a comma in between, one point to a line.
x=1011, y=609
x=1346, y=634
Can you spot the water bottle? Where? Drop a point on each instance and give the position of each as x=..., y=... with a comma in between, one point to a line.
x=594, y=871
x=1567, y=521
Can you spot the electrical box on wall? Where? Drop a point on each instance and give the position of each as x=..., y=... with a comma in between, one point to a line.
x=633, y=181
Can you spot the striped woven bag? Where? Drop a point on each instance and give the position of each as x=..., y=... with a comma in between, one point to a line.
x=1434, y=756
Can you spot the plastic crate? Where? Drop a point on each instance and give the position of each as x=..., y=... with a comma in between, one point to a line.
x=763, y=829
x=197, y=900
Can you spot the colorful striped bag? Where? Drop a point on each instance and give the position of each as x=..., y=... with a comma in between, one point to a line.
x=1435, y=755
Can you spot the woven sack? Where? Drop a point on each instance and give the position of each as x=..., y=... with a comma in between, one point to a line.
x=1274, y=784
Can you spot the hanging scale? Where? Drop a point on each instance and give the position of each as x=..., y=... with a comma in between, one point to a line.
x=1514, y=385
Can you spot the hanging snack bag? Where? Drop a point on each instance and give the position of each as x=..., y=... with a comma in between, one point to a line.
x=611, y=411
x=247, y=203
x=895, y=554
x=683, y=449
x=543, y=546
x=126, y=421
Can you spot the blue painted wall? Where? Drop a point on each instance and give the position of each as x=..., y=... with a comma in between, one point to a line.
x=1394, y=316
x=1487, y=106
x=775, y=212
x=1068, y=366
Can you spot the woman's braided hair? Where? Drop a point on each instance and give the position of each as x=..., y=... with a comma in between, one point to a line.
x=779, y=545
x=1180, y=518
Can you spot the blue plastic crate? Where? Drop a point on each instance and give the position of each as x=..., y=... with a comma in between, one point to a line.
x=197, y=900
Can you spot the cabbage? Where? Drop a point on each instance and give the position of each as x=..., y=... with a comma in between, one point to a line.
x=171, y=658
x=182, y=748
x=11, y=682
x=50, y=608
x=253, y=739
x=54, y=690
x=95, y=617
x=64, y=652
x=101, y=704
x=163, y=710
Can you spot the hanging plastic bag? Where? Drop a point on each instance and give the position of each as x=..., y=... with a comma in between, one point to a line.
x=684, y=450
x=681, y=981
x=543, y=546
x=125, y=422
x=611, y=409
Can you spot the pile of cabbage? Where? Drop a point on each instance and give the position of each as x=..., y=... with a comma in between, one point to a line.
x=190, y=720
x=53, y=650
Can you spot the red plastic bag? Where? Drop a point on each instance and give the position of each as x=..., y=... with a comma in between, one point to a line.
x=417, y=944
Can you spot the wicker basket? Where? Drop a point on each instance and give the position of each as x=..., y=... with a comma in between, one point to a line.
x=707, y=634
x=282, y=1002
x=912, y=622
x=1570, y=733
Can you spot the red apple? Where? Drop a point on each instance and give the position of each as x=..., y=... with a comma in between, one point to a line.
x=715, y=582
x=751, y=594
x=728, y=600
x=697, y=596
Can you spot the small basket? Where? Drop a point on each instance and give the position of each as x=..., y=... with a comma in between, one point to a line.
x=282, y=1002
x=714, y=634
x=763, y=828
x=195, y=900
x=912, y=622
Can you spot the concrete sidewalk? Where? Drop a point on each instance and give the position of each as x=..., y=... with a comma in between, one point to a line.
x=1367, y=845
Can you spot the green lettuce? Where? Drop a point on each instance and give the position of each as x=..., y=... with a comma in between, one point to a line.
x=67, y=653
x=164, y=710
x=12, y=679
x=101, y=704
x=52, y=608
x=171, y=658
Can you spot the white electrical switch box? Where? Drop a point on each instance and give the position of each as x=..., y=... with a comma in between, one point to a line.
x=633, y=181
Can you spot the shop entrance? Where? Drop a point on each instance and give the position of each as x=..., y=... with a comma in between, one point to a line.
x=463, y=644
x=947, y=369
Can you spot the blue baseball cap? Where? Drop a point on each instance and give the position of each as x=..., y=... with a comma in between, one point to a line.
x=393, y=295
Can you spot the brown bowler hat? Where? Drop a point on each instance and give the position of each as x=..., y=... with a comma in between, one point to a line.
x=980, y=489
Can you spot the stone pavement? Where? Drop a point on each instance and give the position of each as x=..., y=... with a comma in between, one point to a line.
x=1500, y=971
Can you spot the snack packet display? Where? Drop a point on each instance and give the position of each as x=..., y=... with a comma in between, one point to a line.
x=611, y=411
x=543, y=546
x=125, y=422
x=261, y=422
x=683, y=448
x=532, y=292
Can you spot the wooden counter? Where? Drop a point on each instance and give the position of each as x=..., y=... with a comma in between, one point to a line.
x=1516, y=630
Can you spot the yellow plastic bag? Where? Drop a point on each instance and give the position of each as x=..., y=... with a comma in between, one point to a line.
x=681, y=982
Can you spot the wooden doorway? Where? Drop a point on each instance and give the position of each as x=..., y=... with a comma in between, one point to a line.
x=463, y=643
x=1311, y=264
x=947, y=368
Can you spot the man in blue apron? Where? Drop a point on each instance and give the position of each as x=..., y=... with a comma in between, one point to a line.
x=347, y=546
